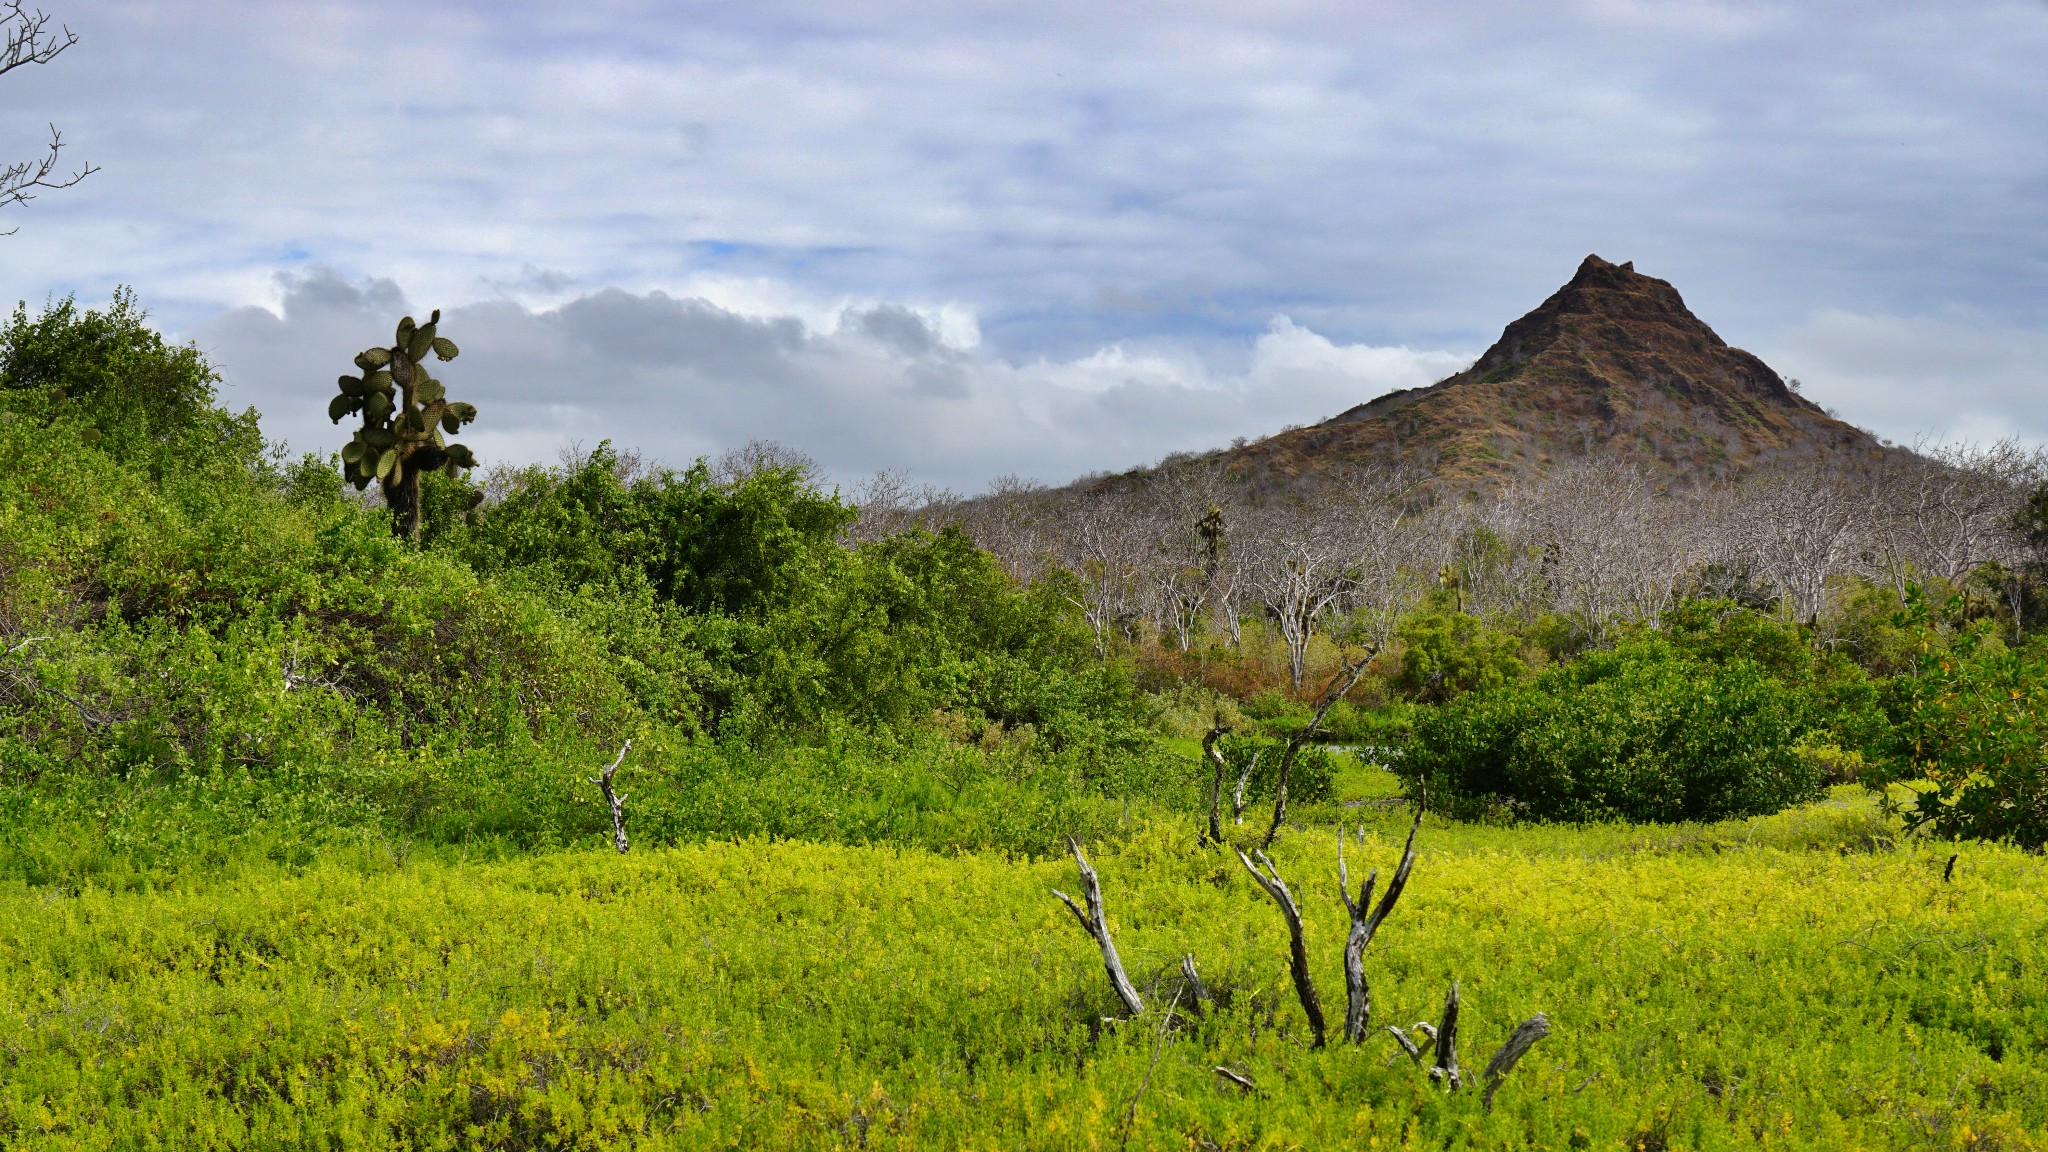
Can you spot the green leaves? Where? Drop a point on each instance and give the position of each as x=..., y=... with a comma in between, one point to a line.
x=406, y=411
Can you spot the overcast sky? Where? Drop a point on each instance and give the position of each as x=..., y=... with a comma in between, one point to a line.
x=967, y=239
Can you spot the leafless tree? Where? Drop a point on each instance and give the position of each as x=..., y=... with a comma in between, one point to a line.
x=1804, y=526
x=888, y=503
x=30, y=40
x=1186, y=514
x=1298, y=564
x=1949, y=509
x=1011, y=520
x=1392, y=545
x=1099, y=536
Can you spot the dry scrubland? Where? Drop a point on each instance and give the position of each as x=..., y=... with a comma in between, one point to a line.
x=1774, y=983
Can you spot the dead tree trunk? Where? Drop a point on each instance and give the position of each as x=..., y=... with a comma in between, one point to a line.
x=1365, y=921
x=1446, y=1068
x=617, y=802
x=1524, y=1038
x=1097, y=925
x=1215, y=755
x=1198, y=993
x=1304, y=984
x=1339, y=685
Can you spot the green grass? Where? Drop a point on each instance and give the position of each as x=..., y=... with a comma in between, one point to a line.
x=1771, y=983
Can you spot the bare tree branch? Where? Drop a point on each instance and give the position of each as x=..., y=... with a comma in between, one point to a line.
x=1407, y=1045
x=1339, y=685
x=1210, y=750
x=1242, y=1081
x=1365, y=922
x=31, y=41
x=1243, y=778
x=1524, y=1038
x=1446, y=1037
x=1192, y=981
x=617, y=801
x=1297, y=964
x=1096, y=925
x=1158, y=1050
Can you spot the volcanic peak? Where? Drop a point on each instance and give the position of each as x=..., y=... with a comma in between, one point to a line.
x=1612, y=361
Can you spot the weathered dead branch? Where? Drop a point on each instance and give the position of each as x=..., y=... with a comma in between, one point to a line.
x=1365, y=922
x=1339, y=684
x=1244, y=778
x=1239, y=1079
x=1446, y=1037
x=1097, y=926
x=1304, y=983
x=1407, y=1045
x=1524, y=1038
x=1215, y=756
x=617, y=801
x=1198, y=992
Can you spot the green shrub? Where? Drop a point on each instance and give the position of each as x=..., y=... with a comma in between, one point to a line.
x=1447, y=654
x=125, y=389
x=1313, y=779
x=1643, y=732
x=1970, y=739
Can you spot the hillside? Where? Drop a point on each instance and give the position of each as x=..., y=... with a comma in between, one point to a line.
x=1614, y=360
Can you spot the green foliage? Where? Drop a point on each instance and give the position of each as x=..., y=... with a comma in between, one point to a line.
x=1447, y=654
x=110, y=376
x=771, y=624
x=1969, y=742
x=1315, y=769
x=741, y=547
x=1642, y=732
x=405, y=411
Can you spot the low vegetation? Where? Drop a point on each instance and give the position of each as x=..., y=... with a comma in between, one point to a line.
x=299, y=843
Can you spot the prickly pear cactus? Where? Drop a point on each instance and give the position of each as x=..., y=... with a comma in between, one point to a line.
x=405, y=414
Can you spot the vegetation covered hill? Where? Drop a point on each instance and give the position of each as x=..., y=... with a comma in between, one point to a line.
x=1612, y=362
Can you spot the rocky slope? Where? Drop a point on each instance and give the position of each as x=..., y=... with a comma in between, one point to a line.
x=1613, y=362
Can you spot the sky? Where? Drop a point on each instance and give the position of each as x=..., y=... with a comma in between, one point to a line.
x=968, y=240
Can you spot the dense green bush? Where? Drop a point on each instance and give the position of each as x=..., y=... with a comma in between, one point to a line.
x=122, y=387
x=1970, y=739
x=1643, y=732
x=1447, y=654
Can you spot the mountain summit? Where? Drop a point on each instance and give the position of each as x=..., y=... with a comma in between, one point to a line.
x=1614, y=361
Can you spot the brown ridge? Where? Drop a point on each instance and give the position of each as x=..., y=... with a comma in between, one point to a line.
x=1614, y=362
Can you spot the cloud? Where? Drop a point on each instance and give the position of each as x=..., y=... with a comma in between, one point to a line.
x=1907, y=377
x=879, y=387
x=1077, y=174
x=971, y=237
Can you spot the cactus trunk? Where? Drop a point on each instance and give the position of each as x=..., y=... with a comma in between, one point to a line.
x=403, y=499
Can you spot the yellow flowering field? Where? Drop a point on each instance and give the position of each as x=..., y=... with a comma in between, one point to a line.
x=1704, y=992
